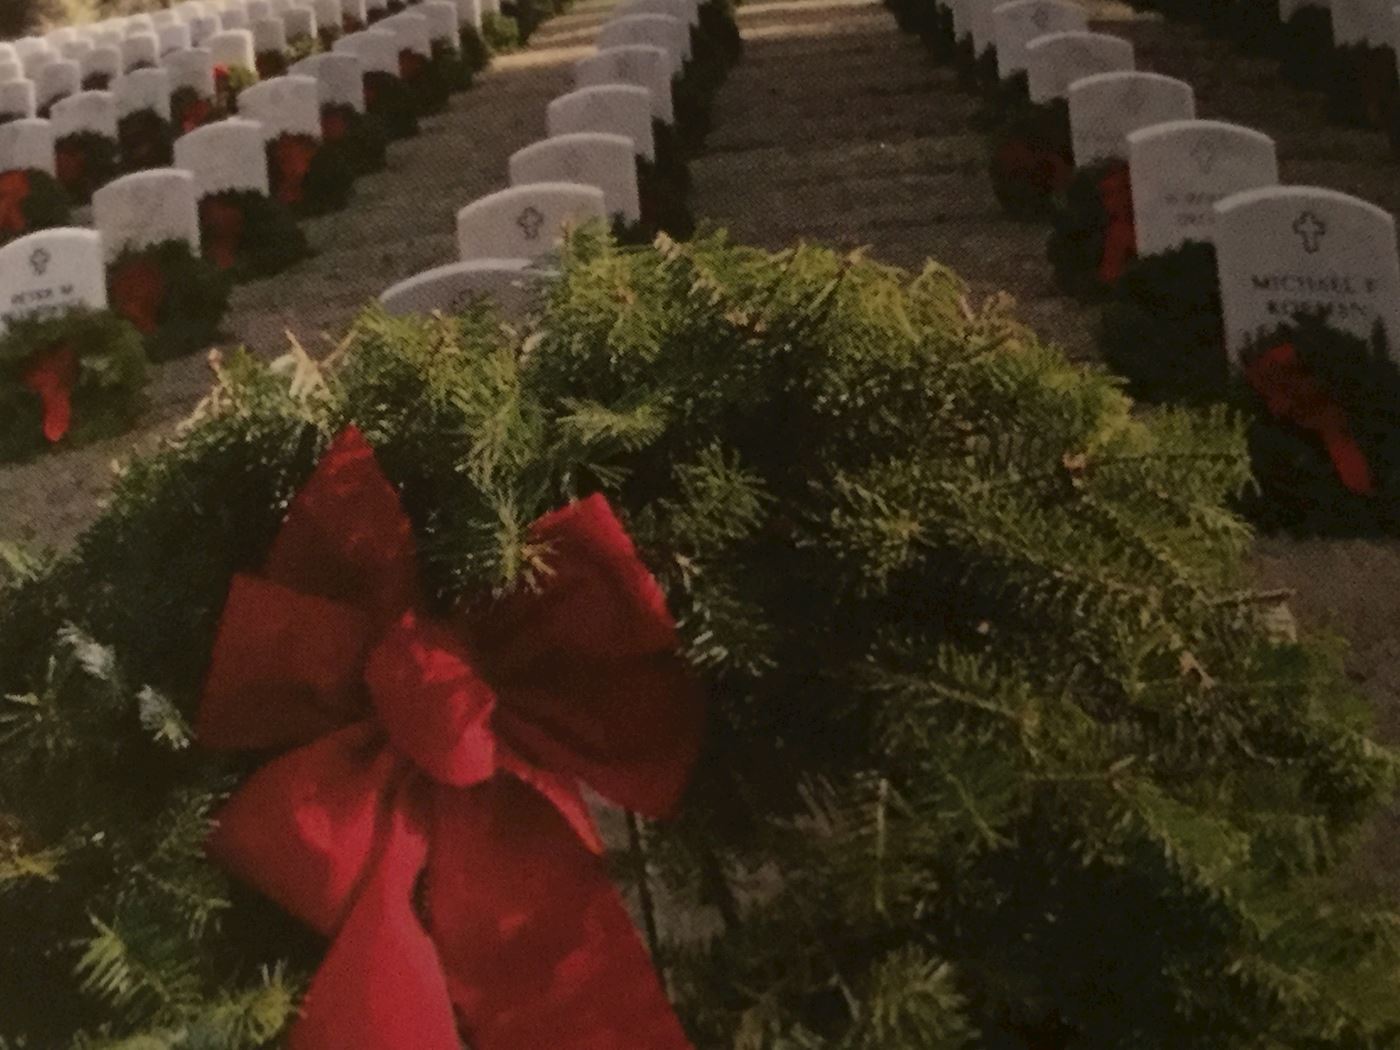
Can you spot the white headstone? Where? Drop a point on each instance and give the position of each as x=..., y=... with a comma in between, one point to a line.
x=147, y=209
x=341, y=81
x=355, y=10
x=1181, y=168
x=469, y=13
x=233, y=48
x=143, y=89
x=102, y=62
x=137, y=24
x=27, y=144
x=57, y=80
x=442, y=21
x=269, y=34
x=1363, y=22
x=74, y=50
x=8, y=52
x=377, y=50
x=330, y=14
x=1057, y=60
x=593, y=159
x=11, y=71
x=94, y=111
x=656, y=30
x=140, y=50
x=56, y=38
x=225, y=155
x=525, y=222
x=640, y=65
x=289, y=105
x=161, y=19
x=35, y=61
x=1105, y=107
x=202, y=28
x=174, y=38
x=615, y=109
x=233, y=19
x=979, y=24
x=1016, y=24
x=49, y=272
x=257, y=10
x=300, y=22
x=191, y=69
x=1284, y=250
x=17, y=98
x=682, y=9
x=510, y=284
x=411, y=30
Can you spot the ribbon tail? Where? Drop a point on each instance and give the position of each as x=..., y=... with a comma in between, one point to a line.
x=538, y=948
x=1119, y=247
x=381, y=985
x=1348, y=461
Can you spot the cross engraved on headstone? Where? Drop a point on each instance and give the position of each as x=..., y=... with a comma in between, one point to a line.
x=39, y=261
x=1203, y=153
x=530, y=220
x=1310, y=229
x=1040, y=17
x=1134, y=98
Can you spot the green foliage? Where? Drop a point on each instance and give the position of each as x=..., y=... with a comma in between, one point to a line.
x=45, y=206
x=501, y=32
x=1003, y=752
x=195, y=300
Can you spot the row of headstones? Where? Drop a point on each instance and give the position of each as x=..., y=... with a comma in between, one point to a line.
x=1281, y=250
x=52, y=270
x=586, y=169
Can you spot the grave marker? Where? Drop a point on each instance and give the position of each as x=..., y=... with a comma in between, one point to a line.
x=300, y=23
x=615, y=109
x=289, y=105
x=657, y=30
x=511, y=284
x=1057, y=60
x=223, y=156
x=57, y=80
x=193, y=69
x=377, y=50
x=340, y=80
x=641, y=65
x=102, y=63
x=143, y=89
x=593, y=159
x=1105, y=107
x=233, y=48
x=525, y=222
x=140, y=51
x=48, y=272
x=27, y=144
x=94, y=111
x=146, y=209
x=16, y=99
x=1016, y=24
x=174, y=38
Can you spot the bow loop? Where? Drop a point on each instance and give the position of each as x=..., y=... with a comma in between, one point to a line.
x=1120, y=235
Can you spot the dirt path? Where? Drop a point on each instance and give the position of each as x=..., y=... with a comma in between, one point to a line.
x=836, y=128
x=400, y=221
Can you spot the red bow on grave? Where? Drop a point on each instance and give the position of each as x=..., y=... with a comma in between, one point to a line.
x=412, y=65
x=221, y=223
x=136, y=287
x=51, y=375
x=195, y=114
x=428, y=817
x=1294, y=395
x=335, y=123
x=14, y=190
x=70, y=167
x=1038, y=167
x=1120, y=235
x=290, y=162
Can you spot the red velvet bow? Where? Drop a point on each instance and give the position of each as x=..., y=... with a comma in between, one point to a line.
x=1292, y=394
x=14, y=190
x=136, y=287
x=428, y=819
x=412, y=65
x=70, y=166
x=1038, y=167
x=290, y=158
x=194, y=114
x=51, y=374
x=221, y=223
x=1120, y=235
x=335, y=123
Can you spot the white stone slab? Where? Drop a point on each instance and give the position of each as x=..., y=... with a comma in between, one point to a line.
x=682, y=9
x=35, y=62
x=202, y=28
x=512, y=286
x=12, y=71
x=656, y=30
x=411, y=31
x=377, y=50
x=234, y=19
x=74, y=50
x=193, y=68
x=102, y=61
x=8, y=52
x=330, y=14
x=57, y=80
x=614, y=109
x=17, y=97
x=469, y=13
x=233, y=48
x=147, y=209
x=1016, y=24
x=1180, y=169
x=143, y=89
x=269, y=34
x=51, y=271
x=94, y=111
x=358, y=10
x=525, y=222
x=225, y=155
x=1288, y=249
x=257, y=10
x=640, y=65
x=56, y=38
x=289, y=105
x=137, y=24
x=1057, y=60
x=140, y=50
x=443, y=27
x=1105, y=107
x=161, y=19
x=340, y=80
x=300, y=22
x=27, y=144
x=173, y=38
x=593, y=159
x=1363, y=22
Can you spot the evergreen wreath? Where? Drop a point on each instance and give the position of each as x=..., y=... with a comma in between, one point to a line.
x=1251, y=26
x=229, y=83
x=391, y=102
x=425, y=81
x=1093, y=238
x=189, y=109
x=308, y=176
x=270, y=64
x=145, y=140
x=327, y=35
x=528, y=15
x=1362, y=87
x=173, y=297
x=475, y=51
x=67, y=379
x=1162, y=328
x=249, y=235
x=1002, y=750
x=360, y=136
x=304, y=46
x=1032, y=160
x=1341, y=403
x=30, y=200
x=501, y=33
x=452, y=67
x=85, y=161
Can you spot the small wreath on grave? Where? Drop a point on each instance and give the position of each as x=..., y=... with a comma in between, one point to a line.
x=173, y=297
x=270, y=64
x=1324, y=430
x=145, y=140
x=229, y=82
x=308, y=176
x=1094, y=238
x=501, y=33
x=425, y=82
x=249, y=235
x=189, y=110
x=1363, y=89
x=68, y=379
x=1000, y=100
x=528, y=15
x=327, y=35
x=1162, y=328
x=475, y=51
x=988, y=693
x=300, y=47
x=83, y=162
x=30, y=200
x=97, y=82
x=452, y=66
x=389, y=99
x=359, y=136
x=1032, y=160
